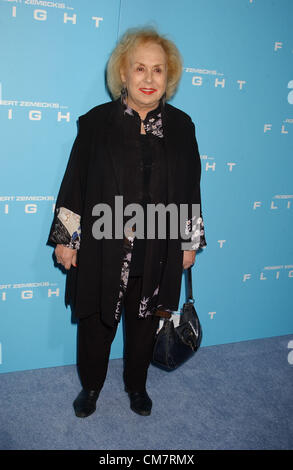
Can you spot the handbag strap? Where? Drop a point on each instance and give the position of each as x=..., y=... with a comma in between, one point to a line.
x=189, y=286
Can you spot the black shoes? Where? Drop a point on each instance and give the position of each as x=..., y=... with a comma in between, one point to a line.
x=85, y=403
x=140, y=402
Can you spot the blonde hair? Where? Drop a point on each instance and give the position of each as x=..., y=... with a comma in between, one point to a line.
x=131, y=39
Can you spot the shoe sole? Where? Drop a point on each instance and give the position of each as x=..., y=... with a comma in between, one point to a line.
x=141, y=413
x=83, y=415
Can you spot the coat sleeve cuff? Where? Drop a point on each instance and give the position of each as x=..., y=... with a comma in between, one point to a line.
x=66, y=228
x=194, y=227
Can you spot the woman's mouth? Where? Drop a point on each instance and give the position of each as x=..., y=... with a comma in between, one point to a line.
x=147, y=91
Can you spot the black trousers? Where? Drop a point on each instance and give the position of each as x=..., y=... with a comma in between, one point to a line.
x=95, y=339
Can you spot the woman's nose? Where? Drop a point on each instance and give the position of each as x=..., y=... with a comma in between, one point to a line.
x=148, y=76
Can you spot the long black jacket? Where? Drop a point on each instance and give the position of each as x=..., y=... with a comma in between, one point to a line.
x=96, y=173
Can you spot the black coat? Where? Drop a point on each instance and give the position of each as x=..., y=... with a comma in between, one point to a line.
x=93, y=175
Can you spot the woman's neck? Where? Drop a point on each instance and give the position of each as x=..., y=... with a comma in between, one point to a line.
x=142, y=111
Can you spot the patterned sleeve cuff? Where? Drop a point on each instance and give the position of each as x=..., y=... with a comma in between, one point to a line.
x=67, y=231
x=195, y=228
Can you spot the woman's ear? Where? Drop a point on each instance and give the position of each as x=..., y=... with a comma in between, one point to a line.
x=122, y=76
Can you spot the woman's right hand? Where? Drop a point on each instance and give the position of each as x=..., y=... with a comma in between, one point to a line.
x=66, y=256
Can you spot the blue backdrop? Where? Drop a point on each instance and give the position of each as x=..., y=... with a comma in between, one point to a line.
x=237, y=85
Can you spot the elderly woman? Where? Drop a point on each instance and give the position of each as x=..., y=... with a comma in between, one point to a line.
x=143, y=150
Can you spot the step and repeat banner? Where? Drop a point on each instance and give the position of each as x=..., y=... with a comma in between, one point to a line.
x=237, y=85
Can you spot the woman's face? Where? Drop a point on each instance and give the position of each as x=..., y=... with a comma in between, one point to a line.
x=145, y=77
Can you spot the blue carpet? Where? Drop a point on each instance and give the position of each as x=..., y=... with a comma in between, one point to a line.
x=228, y=397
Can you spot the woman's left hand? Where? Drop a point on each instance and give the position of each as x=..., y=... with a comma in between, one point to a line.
x=188, y=258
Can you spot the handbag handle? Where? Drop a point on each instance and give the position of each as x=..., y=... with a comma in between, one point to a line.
x=189, y=286
x=165, y=314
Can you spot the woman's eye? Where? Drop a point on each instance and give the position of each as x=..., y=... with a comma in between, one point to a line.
x=158, y=70
x=140, y=69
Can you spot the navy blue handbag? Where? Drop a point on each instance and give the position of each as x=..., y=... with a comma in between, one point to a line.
x=176, y=344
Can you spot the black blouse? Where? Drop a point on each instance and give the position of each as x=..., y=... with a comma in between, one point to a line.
x=138, y=253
